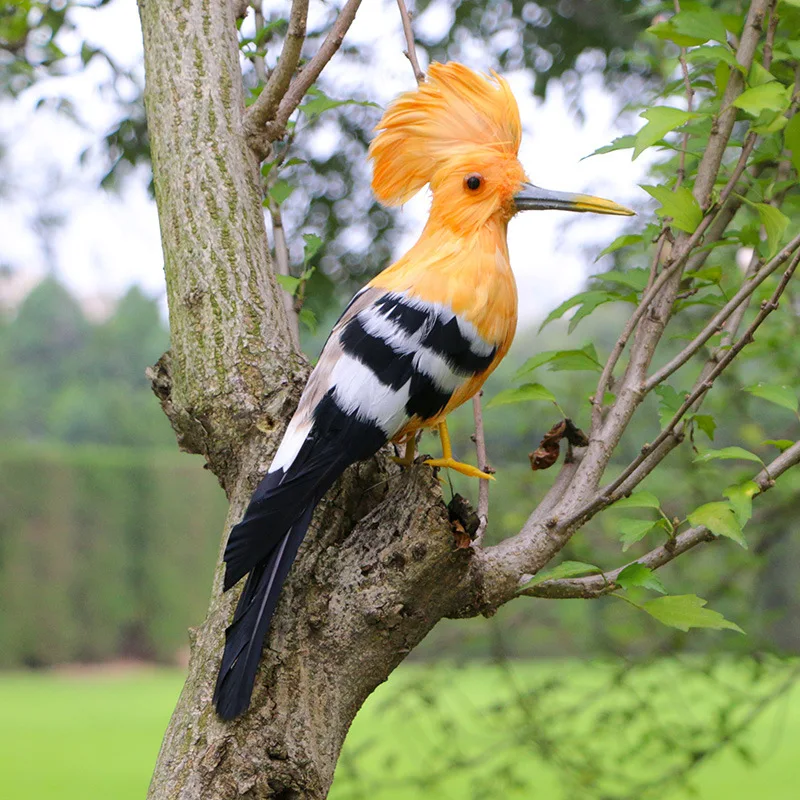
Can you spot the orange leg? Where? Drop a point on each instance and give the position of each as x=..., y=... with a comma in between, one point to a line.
x=407, y=458
x=448, y=462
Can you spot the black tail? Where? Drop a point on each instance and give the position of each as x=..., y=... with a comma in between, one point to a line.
x=266, y=541
x=244, y=639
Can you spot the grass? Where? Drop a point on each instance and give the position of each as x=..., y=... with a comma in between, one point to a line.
x=431, y=732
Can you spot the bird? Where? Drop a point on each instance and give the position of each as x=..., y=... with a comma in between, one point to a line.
x=415, y=343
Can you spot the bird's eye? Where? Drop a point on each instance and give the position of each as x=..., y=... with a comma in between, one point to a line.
x=473, y=182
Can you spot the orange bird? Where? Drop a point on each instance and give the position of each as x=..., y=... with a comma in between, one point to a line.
x=416, y=342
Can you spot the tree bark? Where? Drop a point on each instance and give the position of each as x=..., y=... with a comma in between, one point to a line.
x=378, y=568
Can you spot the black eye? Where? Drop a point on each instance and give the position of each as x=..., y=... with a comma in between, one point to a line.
x=473, y=182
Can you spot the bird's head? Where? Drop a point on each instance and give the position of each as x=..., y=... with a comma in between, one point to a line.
x=459, y=131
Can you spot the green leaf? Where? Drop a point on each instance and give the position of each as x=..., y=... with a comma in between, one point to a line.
x=635, y=279
x=772, y=96
x=759, y=76
x=534, y=362
x=692, y=27
x=684, y=611
x=634, y=530
x=521, y=394
x=584, y=360
x=715, y=53
x=288, y=282
x=727, y=454
x=779, y=395
x=669, y=402
x=775, y=223
x=566, y=569
x=719, y=518
x=769, y=122
x=562, y=360
x=781, y=444
x=666, y=30
x=701, y=22
x=280, y=191
x=791, y=139
x=705, y=423
x=590, y=300
x=320, y=103
x=660, y=121
x=620, y=143
x=311, y=246
x=625, y=240
x=680, y=205
x=638, y=500
x=639, y=575
x=590, y=304
x=741, y=500
x=308, y=318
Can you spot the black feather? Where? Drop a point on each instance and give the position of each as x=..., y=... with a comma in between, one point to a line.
x=244, y=639
x=266, y=541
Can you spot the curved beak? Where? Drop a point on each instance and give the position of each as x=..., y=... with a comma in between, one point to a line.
x=534, y=198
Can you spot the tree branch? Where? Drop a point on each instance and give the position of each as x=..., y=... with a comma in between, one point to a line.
x=611, y=492
x=715, y=325
x=689, y=107
x=282, y=268
x=658, y=300
x=411, y=51
x=261, y=135
x=266, y=104
x=483, y=485
x=597, y=585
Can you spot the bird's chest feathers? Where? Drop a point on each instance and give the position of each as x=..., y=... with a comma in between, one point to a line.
x=470, y=276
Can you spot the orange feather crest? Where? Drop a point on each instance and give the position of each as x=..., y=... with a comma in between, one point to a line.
x=453, y=112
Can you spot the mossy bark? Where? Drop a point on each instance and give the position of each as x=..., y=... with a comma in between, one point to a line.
x=378, y=568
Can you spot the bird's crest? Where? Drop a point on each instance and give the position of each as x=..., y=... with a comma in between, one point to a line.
x=455, y=110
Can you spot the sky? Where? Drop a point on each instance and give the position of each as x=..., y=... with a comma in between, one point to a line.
x=110, y=240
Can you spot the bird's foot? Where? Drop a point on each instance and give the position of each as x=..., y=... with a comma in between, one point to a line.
x=458, y=466
x=407, y=459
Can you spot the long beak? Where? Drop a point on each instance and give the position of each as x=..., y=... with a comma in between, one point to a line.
x=534, y=198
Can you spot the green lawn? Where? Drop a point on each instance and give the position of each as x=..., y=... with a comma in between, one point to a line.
x=86, y=736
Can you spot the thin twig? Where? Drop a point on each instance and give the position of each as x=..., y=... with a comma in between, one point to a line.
x=267, y=103
x=716, y=324
x=483, y=485
x=598, y=585
x=303, y=81
x=689, y=107
x=258, y=57
x=282, y=268
x=411, y=52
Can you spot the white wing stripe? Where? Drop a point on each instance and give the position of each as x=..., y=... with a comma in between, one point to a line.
x=426, y=361
x=358, y=391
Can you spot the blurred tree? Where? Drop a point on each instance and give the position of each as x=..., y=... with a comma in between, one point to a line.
x=73, y=381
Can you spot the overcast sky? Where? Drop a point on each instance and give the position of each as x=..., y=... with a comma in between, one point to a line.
x=111, y=240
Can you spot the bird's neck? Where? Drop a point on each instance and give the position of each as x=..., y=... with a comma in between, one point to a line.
x=467, y=271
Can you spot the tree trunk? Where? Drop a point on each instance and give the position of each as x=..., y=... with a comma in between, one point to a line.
x=378, y=567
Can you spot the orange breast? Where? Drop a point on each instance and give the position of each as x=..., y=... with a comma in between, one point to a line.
x=471, y=277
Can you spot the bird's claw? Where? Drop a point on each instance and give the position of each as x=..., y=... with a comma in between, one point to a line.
x=458, y=466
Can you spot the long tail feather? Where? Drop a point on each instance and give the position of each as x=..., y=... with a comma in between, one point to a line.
x=244, y=639
x=265, y=543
